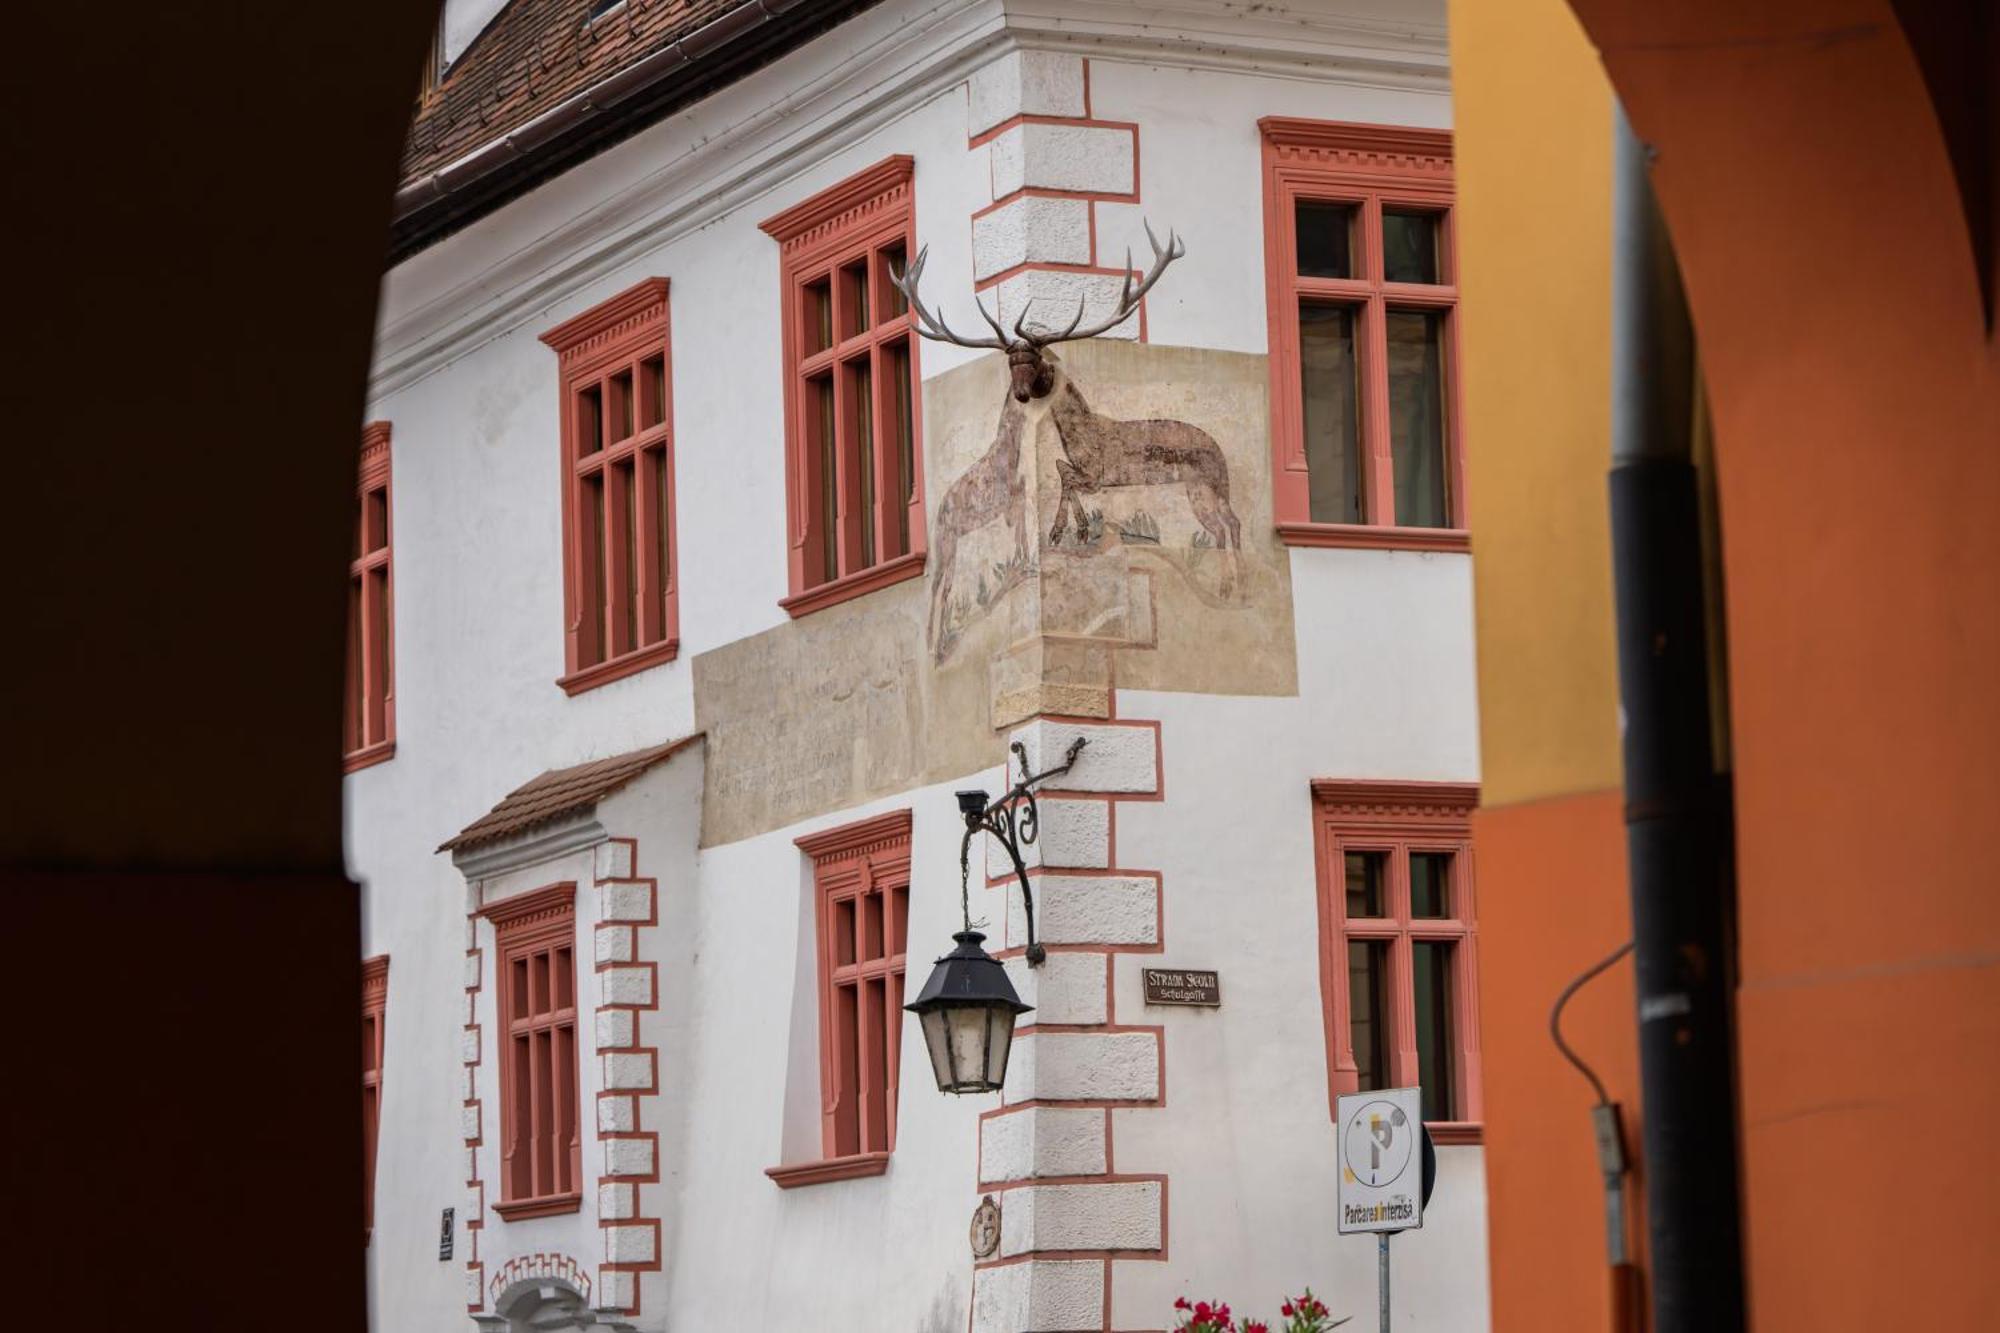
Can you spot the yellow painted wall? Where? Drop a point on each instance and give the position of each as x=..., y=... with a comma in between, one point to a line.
x=1533, y=117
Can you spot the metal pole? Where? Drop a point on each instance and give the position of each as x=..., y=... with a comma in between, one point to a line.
x=1676, y=820
x=1382, y=1279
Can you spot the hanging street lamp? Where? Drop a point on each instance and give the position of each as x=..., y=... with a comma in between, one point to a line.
x=968, y=1006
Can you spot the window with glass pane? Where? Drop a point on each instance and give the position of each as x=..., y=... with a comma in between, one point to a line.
x=1368, y=1011
x=1361, y=293
x=862, y=878
x=370, y=717
x=860, y=421
x=1330, y=378
x=854, y=474
x=620, y=584
x=374, y=1012
x=541, y=1141
x=1398, y=942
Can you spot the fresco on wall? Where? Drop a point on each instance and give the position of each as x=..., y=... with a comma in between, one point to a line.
x=1154, y=482
x=1139, y=552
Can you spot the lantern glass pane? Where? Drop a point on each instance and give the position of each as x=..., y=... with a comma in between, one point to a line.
x=968, y=1043
x=939, y=1048
x=996, y=1052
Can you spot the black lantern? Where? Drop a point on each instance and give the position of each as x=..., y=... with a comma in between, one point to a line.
x=968, y=1006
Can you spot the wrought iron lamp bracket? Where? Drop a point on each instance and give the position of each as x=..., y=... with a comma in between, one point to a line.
x=1014, y=820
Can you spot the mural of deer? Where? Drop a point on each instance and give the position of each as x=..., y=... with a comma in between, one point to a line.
x=1101, y=452
x=991, y=488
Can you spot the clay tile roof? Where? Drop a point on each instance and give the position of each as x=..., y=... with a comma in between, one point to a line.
x=561, y=792
x=551, y=85
x=532, y=55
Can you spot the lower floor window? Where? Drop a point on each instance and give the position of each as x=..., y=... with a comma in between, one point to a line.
x=1399, y=938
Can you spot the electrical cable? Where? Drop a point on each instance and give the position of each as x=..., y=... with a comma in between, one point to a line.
x=1583, y=979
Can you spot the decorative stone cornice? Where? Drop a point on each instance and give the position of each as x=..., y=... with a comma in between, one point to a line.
x=1395, y=801
x=609, y=321
x=879, y=188
x=374, y=454
x=374, y=977
x=525, y=911
x=862, y=839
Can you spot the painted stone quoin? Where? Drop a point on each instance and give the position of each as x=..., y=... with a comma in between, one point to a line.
x=1100, y=453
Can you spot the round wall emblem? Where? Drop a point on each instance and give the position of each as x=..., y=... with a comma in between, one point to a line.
x=985, y=1228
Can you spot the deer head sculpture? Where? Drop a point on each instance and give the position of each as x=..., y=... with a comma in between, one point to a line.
x=1032, y=375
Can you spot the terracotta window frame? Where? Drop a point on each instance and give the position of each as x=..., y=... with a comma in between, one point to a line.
x=1399, y=818
x=535, y=951
x=842, y=543
x=1366, y=166
x=369, y=709
x=621, y=568
x=374, y=1018
x=859, y=870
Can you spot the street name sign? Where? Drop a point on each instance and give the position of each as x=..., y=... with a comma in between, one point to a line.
x=1381, y=1160
x=1181, y=985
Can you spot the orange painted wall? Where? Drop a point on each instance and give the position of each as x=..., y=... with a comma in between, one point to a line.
x=1855, y=394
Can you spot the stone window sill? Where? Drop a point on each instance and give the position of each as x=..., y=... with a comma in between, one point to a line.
x=516, y=1209
x=1374, y=537
x=617, y=668
x=832, y=1169
x=854, y=585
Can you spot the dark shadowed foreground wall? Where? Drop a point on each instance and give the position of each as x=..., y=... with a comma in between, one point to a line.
x=197, y=206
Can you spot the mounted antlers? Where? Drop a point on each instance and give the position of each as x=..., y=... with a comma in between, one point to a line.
x=1023, y=347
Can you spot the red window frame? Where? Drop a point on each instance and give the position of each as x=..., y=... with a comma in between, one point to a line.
x=369, y=710
x=861, y=893
x=843, y=319
x=535, y=980
x=374, y=1015
x=1398, y=819
x=1367, y=167
x=621, y=572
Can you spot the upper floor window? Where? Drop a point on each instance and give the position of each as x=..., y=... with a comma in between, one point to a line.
x=1361, y=285
x=541, y=1166
x=621, y=602
x=1398, y=944
x=854, y=455
x=861, y=886
x=374, y=1012
x=370, y=713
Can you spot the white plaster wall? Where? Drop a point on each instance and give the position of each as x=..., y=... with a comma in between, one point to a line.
x=1385, y=690
x=1385, y=666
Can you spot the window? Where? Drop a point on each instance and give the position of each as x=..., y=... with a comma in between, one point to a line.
x=861, y=882
x=1362, y=293
x=854, y=457
x=621, y=602
x=371, y=687
x=541, y=1144
x=1398, y=944
x=374, y=1004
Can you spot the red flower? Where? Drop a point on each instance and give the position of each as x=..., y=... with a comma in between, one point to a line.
x=1256, y=1326
x=1181, y=1303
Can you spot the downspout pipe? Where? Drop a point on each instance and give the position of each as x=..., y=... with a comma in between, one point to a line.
x=1676, y=817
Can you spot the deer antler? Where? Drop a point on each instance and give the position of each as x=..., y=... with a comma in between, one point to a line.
x=932, y=326
x=1128, y=298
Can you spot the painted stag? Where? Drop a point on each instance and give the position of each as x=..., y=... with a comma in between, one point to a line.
x=1100, y=452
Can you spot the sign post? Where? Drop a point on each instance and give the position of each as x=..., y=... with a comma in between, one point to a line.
x=1386, y=1169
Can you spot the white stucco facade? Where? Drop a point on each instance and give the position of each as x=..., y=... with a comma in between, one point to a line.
x=1184, y=1150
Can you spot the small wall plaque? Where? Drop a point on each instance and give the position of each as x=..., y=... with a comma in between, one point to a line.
x=1168, y=985
x=985, y=1234
x=444, y=1235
